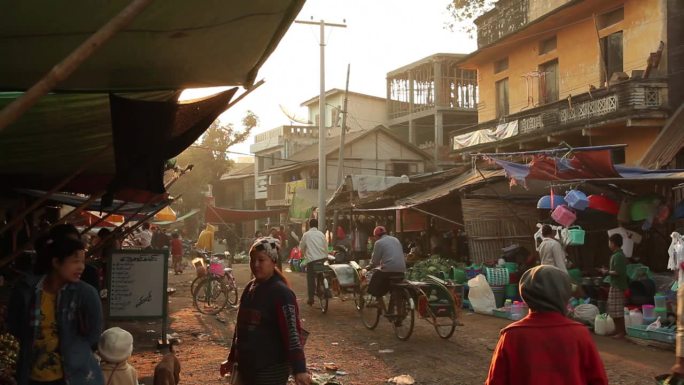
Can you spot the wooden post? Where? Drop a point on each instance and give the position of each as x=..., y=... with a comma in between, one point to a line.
x=66, y=67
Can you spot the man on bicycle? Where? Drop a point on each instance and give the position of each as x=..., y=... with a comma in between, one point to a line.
x=388, y=256
x=314, y=249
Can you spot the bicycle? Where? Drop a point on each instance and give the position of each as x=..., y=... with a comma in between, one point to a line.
x=437, y=303
x=400, y=311
x=213, y=289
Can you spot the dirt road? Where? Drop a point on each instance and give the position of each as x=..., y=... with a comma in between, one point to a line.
x=367, y=357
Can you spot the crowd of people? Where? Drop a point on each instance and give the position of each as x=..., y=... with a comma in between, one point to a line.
x=56, y=313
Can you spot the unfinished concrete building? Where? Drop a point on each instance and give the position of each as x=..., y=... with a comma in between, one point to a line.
x=429, y=99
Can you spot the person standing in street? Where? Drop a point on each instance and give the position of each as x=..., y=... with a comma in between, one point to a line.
x=144, y=238
x=314, y=249
x=268, y=342
x=176, y=253
x=388, y=257
x=550, y=250
x=617, y=275
x=546, y=347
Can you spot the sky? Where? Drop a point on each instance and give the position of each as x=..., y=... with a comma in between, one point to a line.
x=381, y=35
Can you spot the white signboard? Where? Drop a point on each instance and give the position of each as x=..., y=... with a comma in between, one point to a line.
x=137, y=281
x=261, y=191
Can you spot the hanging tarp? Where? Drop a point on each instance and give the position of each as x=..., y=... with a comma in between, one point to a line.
x=576, y=165
x=366, y=184
x=500, y=132
x=220, y=215
x=172, y=44
x=124, y=140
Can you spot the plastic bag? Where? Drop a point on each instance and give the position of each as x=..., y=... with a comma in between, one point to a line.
x=480, y=295
x=655, y=325
x=604, y=325
x=586, y=312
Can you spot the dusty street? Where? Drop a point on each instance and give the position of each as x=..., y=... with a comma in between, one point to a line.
x=339, y=337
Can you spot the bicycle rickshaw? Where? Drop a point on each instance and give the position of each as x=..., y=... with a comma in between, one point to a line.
x=435, y=300
x=336, y=279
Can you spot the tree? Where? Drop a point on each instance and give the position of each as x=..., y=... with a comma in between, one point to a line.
x=209, y=156
x=464, y=13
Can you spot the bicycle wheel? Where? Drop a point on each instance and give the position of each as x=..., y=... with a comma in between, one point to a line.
x=211, y=296
x=232, y=294
x=369, y=309
x=322, y=292
x=404, y=314
x=193, y=285
x=445, y=325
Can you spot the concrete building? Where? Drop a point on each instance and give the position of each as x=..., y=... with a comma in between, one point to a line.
x=591, y=72
x=365, y=111
x=429, y=99
x=377, y=152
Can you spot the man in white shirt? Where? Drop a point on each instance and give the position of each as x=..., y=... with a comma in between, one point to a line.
x=314, y=249
x=144, y=238
x=550, y=250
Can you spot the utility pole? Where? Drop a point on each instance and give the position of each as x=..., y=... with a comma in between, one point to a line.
x=322, y=180
x=343, y=130
x=340, y=154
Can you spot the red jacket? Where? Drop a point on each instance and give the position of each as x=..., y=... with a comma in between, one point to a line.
x=543, y=349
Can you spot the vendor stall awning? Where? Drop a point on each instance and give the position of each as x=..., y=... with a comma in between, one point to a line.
x=172, y=44
x=178, y=219
x=214, y=214
x=469, y=178
x=122, y=140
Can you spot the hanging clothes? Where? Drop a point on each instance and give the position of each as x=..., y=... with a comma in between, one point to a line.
x=676, y=252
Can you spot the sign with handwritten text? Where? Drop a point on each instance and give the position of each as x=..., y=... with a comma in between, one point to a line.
x=137, y=281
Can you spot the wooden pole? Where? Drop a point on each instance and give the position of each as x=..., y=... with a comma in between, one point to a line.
x=66, y=67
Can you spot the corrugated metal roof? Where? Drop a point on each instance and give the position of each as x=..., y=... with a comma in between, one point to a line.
x=467, y=179
x=240, y=170
x=668, y=143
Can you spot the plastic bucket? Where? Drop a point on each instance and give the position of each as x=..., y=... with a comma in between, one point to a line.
x=660, y=301
x=458, y=275
x=499, y=295
x=563, y=215
x=648, y=311
x=577, y=199
x=576, y=236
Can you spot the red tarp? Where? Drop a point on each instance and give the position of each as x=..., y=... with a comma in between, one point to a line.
x=220, y=215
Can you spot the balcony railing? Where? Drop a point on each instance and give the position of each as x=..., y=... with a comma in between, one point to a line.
x=620, y=100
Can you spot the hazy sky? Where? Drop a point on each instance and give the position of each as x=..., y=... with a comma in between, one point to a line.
x=381, y=35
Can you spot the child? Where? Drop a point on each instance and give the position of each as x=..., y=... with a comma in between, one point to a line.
x=176, y=253
x=56, y=336
x=115, y=347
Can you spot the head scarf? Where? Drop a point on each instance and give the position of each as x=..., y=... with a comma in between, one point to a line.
x=269, y=244
x=546, y=288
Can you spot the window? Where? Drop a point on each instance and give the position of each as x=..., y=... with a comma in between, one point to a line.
x=611, y=18
x=548, y=82
x=500, y=65
x=399, y=169
x=611, y=50
x=548, y=45
x=502, y=98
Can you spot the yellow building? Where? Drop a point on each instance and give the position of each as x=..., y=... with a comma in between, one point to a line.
x=553, y=71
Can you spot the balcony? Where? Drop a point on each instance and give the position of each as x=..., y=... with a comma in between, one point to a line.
x=638, y=98
x=435, y=82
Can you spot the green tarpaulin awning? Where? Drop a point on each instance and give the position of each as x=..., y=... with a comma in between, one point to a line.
x=171, y=45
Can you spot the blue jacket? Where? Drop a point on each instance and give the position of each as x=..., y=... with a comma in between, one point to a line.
x=79, y=319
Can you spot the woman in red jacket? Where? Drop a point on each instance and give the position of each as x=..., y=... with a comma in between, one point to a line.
x=546, y=347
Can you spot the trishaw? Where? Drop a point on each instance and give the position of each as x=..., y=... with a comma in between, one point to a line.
x=435, y=300
x=336, y=279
